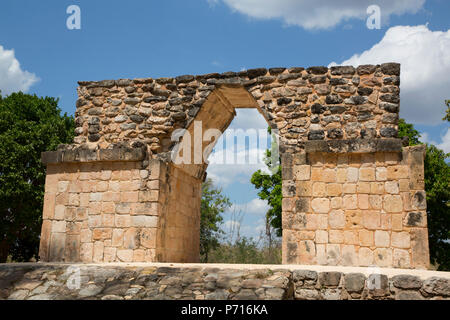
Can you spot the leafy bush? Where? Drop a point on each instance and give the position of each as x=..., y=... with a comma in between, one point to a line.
x=29, y=125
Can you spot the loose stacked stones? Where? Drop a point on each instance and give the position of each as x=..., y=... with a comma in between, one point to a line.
x=317, y=103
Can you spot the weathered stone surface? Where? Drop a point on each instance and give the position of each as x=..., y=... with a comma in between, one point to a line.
x=302, y=275
x=407, y=282
x=354, y=282
x=330, y=279
x=18, y=295
x=307, y=294
x=90, y=291
x=378, y=285
x=218, y=295
x=124, y=282
x=333, y=99
x=277, y=70
x=391, y=68
x=409, y=295
x=317, y=70
x=254, y=73
x=351, y=194
x=331, y=294
x=185, y=78
x=164, y=89
x=316, y=135
x=366, y=69
x=355, y=145
x=437, y=286
x=414, y=219
x=341, y=70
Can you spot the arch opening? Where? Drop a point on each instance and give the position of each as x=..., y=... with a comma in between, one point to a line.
x=211, y=137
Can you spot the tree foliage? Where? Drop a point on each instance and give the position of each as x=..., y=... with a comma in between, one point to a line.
x=270, y=190
x=447, y=113
x=246, y=250
x=29, y=125
x=437, y=187
x=407, y=130
x=213, y=204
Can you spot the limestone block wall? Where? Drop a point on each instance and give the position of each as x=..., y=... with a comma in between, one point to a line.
x=99, y=212
x=179, y=222
x=356, y=209
x=117, y=207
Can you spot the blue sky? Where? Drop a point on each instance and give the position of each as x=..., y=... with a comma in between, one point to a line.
x=137, y=38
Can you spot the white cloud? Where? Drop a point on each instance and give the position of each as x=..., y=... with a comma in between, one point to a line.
x=235, y=228
x=226, y=174
x=231, y=224
x=319, y=14
x=445, y=145
x=255, y=207
x=12, y=77
x=425, y=67
x=425, y=137
x=254, y=231
x=212, y=3
x=249, y=119
x=251, y=157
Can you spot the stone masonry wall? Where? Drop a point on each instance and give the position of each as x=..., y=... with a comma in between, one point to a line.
x=351, y=195
x=316, y=103
x=112, y=211
x=180, y=222
x=356, y=209
x=100, y=212
x=216, y=282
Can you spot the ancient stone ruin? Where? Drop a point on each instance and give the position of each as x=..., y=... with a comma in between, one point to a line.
x=352, y=194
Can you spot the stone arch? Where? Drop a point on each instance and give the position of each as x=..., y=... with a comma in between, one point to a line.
x=115, y=194
x=215, y=115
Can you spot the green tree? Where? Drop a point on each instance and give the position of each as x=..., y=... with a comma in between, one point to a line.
x=29, y=125
x=246, y=250
x=447, y=113
x=437, y=187
x=213, y=204
x=270, y=190
x=407, y=130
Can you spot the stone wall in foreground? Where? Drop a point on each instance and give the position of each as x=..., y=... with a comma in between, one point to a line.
x=204, y=281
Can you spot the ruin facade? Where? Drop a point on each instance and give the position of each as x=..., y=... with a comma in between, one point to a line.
x=352, y=193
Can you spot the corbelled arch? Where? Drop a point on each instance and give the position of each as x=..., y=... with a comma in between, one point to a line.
x=213, y=118
x=351, y=194
x=188, y=164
